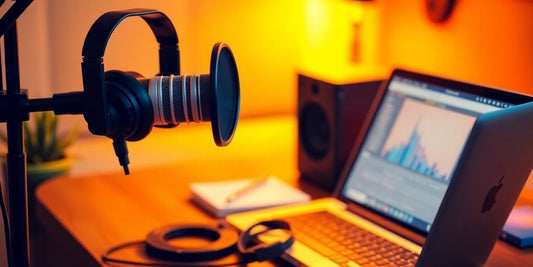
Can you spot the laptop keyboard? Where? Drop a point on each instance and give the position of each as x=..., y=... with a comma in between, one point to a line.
x=345, y=243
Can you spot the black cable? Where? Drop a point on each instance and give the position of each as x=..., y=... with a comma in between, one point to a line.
x=6, y=221
x=1, y=72
x=2, y=203
x=121, y=150
x=107, y=259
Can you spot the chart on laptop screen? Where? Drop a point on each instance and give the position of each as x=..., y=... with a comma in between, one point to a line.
x=422, y=140
x=411, y=150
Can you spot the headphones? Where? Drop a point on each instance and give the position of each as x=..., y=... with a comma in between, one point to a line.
x=224, y=241
x=99, y=86
x=124, y=105
x=261, y=251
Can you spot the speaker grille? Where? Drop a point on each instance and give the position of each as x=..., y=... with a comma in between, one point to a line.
x=314, y=131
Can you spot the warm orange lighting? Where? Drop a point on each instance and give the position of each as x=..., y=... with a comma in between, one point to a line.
x=487, y=43
x=339, y=41
x=264, y=38
x=475, y=44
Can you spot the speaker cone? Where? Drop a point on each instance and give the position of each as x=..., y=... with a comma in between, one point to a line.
x=314, y=131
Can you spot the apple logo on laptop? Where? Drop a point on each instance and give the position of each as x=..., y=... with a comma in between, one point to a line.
x=490, y=199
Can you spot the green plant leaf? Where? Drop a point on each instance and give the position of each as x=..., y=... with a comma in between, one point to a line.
x=42, y=142
x=29, y=143
x=51, y=139
x=40, y=128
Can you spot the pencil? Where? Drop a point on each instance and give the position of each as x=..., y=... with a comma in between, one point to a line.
x=250, y=187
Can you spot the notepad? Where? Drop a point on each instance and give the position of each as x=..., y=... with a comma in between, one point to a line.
x=212, y=196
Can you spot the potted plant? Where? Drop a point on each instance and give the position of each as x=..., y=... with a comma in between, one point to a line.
x=45, y=148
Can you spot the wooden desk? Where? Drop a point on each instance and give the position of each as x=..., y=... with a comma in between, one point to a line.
x=82, y=217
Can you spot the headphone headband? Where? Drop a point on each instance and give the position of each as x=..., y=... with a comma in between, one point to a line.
x=165, y=34
x=94, y=49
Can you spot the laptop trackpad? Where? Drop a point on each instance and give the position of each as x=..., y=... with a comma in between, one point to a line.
x=306, y=255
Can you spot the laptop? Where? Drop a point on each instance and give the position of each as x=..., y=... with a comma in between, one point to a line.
x=420, y=179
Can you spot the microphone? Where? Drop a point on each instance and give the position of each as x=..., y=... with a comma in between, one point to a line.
x=199, y=97
x=124, y=106
x=174, y=99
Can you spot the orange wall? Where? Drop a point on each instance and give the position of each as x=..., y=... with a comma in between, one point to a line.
x=264, y=38
x=340, y=40
x=486, y=42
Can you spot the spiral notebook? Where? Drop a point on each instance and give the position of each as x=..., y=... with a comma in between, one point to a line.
x=213, y=196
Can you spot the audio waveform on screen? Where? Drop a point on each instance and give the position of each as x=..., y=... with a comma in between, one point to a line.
x=412, y=155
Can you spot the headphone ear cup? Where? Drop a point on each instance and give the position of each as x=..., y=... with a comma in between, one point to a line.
x=131, y=110
x=261, y=251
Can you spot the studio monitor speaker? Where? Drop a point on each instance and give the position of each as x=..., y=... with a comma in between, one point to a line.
x=329, y=119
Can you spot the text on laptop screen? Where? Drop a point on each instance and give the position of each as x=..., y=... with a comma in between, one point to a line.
x=410, y=152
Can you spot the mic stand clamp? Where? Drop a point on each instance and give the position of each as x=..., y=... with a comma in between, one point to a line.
x=14, y=107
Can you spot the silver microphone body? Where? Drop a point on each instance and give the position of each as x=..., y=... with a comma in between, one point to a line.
x=178, y=99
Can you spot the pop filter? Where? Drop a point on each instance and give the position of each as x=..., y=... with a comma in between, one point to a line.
x=225, y=94
x=211, y=97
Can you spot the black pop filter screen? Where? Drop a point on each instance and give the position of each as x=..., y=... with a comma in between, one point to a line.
x=226, y=85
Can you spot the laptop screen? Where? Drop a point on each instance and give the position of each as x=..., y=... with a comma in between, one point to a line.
x=412, y=146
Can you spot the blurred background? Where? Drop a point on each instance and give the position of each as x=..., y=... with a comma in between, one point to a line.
x=485, y=42
x=341, y=41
